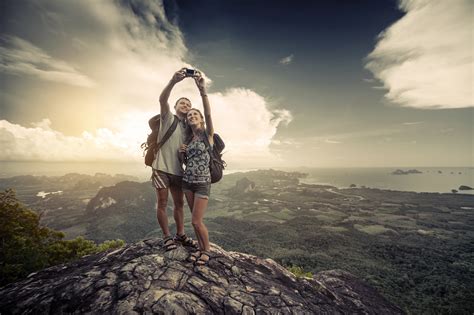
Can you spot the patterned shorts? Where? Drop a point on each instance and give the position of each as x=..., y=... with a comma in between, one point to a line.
x=161, y=180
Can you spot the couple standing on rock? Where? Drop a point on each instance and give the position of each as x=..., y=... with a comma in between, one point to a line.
x=186, y=145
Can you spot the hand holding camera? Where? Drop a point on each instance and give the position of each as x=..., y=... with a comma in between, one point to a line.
x=200, y=83
x=179, y=75
x=191, y=73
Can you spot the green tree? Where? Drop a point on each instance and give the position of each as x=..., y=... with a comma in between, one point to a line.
x=26, y=246
x=299, y=272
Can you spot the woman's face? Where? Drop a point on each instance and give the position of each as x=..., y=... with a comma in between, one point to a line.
x=194, y=117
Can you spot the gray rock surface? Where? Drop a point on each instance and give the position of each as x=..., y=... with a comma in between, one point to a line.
x=142, y=278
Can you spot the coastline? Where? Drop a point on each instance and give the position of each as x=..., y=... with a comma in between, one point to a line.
x=431, y=180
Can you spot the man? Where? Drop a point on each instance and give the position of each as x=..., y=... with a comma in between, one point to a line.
x=167, y=169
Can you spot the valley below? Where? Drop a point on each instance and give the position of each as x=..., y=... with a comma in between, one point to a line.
x=415, y=248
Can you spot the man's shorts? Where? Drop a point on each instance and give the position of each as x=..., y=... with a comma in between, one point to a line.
x=200, y=190
x=161, y=180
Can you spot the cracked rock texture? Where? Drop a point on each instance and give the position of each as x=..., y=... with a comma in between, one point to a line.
x=142, y=278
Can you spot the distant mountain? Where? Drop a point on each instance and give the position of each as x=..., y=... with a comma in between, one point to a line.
x=402, y=172
x=126, y=211
x=65, y=182
x=61, y=200
x=244, y=189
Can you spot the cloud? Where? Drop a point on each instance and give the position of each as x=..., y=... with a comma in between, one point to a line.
x=356, y=134
x=412, y=123
x=247, y=125
x=240, y=116
x=286, y=60
x=332, y=141
x=131, y=56
x=447, y=131
x=424, y=60
x=285, y=142
x=40, y=142
x=20, y=57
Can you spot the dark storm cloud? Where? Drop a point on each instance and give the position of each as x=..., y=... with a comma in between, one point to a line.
x=150, y=15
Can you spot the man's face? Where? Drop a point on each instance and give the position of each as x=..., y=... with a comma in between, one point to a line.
x=183, y=106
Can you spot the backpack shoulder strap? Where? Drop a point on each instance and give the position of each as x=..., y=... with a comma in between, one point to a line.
x=168, y=133
x=208, y=145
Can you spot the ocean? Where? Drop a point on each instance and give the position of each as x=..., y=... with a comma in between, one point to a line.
x=431, y=179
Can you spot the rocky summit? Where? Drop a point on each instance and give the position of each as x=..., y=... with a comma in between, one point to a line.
x=142, y=278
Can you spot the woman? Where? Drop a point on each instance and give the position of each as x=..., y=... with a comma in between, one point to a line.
x=197, y=179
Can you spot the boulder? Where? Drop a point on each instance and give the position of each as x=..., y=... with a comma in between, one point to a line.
x=144, y=278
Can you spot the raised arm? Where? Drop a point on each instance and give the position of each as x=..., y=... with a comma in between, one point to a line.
x=165, y=94
x=201, y=84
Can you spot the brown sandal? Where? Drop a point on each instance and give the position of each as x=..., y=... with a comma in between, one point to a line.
x=169, y=243
x=201, y=261
x=193, y=257
x=185, y=241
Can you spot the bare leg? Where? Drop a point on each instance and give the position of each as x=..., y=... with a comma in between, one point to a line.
x=199, y=207
x=178, y=211
x=162, y=197
x=190, y=200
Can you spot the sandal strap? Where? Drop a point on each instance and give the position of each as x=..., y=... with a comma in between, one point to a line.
x=181, y=238
x=204, y=252
x=167, y=239
x=168, y=243
x=196, y=254
x=185, y=240
x=202, y=262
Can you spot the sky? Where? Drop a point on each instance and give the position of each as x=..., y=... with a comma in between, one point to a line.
x=291, y=83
